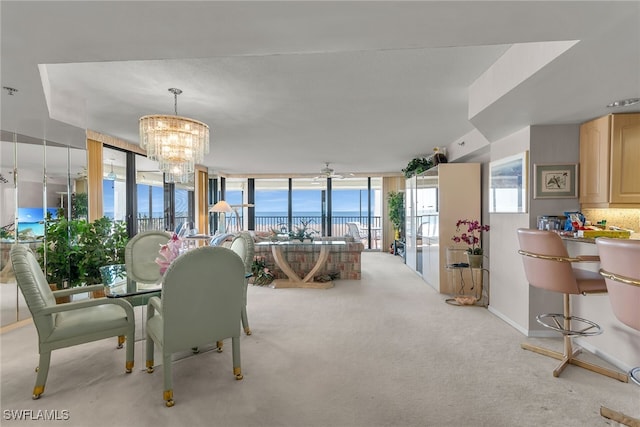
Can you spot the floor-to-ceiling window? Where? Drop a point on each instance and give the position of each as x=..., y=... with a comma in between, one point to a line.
x=326, y=206
x=272, y=204
x=149, y=195
x=309, y=198
x=359, y=201
x=234, y=194
x=153, y=204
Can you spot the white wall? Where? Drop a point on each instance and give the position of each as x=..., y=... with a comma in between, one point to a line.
x=511, y=297
x=508, y=289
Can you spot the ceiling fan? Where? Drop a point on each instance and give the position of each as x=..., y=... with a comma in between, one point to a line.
x=327, y=172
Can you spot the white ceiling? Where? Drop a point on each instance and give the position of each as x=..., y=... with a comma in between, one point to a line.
x=287, y=86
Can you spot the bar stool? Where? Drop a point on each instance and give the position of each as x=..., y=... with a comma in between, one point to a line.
x=547, y=265
x=620, y=267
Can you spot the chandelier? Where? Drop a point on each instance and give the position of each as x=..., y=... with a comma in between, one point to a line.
x=176, y=143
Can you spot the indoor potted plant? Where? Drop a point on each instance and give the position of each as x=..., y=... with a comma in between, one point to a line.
x=417, y=165
x=472, y=238
x=75, y=250
x=302, y=231
x=396, y=211
x=102, y=242
x=262, y=275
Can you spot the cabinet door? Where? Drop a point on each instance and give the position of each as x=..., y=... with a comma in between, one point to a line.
x=594, y=161
x=625, y=158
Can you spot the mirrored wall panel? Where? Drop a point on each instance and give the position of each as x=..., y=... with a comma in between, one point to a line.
x=42, y=183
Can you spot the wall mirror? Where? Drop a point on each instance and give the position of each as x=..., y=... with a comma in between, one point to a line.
x=36, y=177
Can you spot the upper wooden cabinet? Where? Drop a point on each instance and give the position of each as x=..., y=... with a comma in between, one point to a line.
x=609, y=161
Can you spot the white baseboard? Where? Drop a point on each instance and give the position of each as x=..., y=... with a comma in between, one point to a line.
x=521, y=329
x=507, y=320
x=604, y=356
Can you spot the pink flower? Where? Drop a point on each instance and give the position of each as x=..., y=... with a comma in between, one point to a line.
x=169, y=252
x=472, y=236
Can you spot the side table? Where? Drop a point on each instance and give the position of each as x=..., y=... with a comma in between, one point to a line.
x=465, y=282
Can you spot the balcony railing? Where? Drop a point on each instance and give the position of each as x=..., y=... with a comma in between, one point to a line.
x=146, y=224
x=338, y=223
x=281, y=224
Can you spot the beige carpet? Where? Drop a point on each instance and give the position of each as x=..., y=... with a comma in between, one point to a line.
x=383, y=351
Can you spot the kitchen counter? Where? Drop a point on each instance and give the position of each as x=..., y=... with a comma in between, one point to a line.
x=634, y=236
x=578, y=239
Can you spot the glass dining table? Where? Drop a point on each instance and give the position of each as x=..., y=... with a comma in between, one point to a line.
x=136, y=293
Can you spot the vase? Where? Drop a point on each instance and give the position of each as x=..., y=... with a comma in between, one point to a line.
x=475, y=261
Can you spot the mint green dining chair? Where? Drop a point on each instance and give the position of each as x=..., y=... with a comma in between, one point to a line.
x=200, y=302
x=140, y=255
x=244, y=246
x=68, y=324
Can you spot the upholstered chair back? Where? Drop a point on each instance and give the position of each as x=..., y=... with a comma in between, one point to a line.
x=621, y=258
x=556, y=276
x=202, y=298
x=34, y=287
x=244, y=246
x=140, y=255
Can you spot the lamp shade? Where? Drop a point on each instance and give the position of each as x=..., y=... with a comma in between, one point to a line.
x=221, y=206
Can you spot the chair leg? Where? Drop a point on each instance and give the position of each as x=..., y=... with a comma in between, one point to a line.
x=149, y=348
x=130, y=343
x=219, y=345
x=235, y=351
x=168, y=382
x=43, y=371
x=245, y=321
x=121, y=340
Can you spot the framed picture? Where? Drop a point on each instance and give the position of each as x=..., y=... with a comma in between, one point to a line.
x=556, y=180
x=508, y=184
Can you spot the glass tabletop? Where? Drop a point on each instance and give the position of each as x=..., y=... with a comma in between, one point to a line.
x=130, y=288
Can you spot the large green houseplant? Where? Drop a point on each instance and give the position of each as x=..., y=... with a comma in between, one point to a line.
x=76, y=249
x=396, y=211
x=101, y=243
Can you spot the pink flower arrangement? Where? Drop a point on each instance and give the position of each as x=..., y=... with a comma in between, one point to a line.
x=261, y=273
x=169, y=252
x=472, y=236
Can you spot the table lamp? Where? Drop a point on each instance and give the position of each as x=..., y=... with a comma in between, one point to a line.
x=222, y=208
